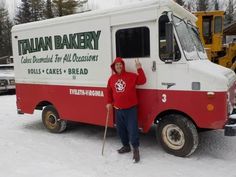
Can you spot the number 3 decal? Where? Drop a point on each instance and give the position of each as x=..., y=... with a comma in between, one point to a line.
x=164, y=98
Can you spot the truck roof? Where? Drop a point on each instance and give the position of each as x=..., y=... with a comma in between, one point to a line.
x=137, y=6
x=230, y=29
x=210, y=13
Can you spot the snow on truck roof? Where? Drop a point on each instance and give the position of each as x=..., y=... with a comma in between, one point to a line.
x=130, y=7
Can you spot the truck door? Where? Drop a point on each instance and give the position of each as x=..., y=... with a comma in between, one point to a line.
x=138, y=41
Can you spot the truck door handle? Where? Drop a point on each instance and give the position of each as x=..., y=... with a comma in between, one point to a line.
x=154, y=67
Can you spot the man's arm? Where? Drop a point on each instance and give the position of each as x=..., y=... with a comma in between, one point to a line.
x=141, y=78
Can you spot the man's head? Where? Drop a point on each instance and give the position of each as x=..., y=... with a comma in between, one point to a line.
x=118, y=67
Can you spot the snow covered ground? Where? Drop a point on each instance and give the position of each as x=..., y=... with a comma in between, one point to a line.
x=28, y=150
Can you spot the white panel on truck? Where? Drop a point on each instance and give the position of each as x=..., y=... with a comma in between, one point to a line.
x=68, y=53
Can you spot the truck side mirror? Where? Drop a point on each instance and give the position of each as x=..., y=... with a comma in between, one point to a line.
x=169, y=41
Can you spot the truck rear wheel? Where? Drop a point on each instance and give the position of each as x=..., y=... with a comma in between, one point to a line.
x=177, y=135
x=52, y=121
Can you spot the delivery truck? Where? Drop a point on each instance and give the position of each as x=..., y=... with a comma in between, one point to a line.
x=62, y=66
x=7, y=80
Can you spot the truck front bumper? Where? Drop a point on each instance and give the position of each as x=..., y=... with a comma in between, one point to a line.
x=230, y=127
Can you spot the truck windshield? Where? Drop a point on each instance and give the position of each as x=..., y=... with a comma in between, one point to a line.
x=189, y=39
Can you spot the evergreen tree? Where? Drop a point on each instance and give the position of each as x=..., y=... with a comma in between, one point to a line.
x=190, y=6
x=48, y=12
x=229, y=16
x=216, y=5
x=37, y=8
x=30, y=10
x=5, y=33
x=67, y=7
x=24, y=14
x=180, y=2
x=202, y=5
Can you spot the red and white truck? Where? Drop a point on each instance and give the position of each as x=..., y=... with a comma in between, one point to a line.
x=62, y=66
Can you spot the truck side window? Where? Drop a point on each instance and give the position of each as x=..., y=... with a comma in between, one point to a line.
x=133, y=42
x=162, y=40
x=218, y=24
x=207, y=29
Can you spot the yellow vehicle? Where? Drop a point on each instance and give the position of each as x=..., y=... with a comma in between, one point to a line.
x=210, y=26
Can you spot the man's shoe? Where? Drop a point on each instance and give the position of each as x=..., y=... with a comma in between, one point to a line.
x=124, y=149
x=136, y=156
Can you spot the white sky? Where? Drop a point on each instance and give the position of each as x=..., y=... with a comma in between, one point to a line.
x=11, y=5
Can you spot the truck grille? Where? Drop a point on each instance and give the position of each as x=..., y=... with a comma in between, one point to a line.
x=3, y=82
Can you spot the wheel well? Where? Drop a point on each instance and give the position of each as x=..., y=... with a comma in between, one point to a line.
x=42, y=104
x=172, y=111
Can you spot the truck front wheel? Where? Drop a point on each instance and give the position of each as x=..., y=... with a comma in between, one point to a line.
x=52, y=121
x=177, y=135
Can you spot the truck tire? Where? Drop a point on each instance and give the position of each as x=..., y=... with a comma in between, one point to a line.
x=177, y=135
x=52, y=121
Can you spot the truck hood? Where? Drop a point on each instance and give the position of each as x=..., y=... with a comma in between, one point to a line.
x=215, y=77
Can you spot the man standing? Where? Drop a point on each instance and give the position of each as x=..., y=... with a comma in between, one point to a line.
x=121, y=94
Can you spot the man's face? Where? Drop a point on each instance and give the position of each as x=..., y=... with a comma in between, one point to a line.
x=118, y=67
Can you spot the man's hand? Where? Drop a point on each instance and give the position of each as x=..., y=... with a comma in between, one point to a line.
x=138, y=64
x=109, y=107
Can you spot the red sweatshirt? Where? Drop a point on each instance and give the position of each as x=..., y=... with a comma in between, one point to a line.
x=121, y=88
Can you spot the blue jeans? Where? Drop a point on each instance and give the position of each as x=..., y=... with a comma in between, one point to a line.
x=127, y=126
